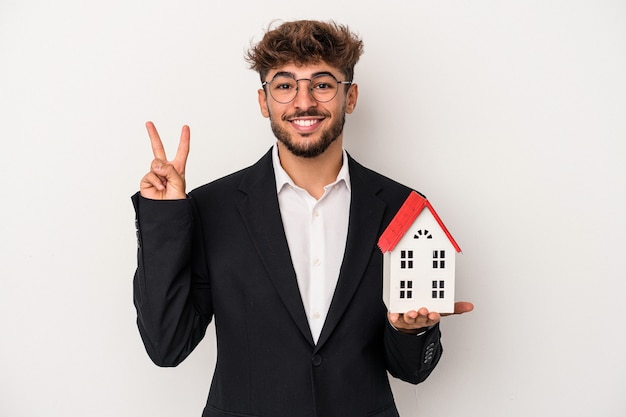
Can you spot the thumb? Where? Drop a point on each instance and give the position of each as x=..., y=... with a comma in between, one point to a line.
x=460, y=308
x=164, y=170
x=171, y=179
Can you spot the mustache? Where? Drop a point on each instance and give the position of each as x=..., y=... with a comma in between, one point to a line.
x=306, y=113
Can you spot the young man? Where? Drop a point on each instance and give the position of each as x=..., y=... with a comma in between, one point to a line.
x=283, y=253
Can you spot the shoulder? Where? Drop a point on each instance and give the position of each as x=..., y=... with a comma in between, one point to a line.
x=238, y=181
x=370, y=188
x=385, y=187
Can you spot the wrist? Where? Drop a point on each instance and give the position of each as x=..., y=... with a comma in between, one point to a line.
x=412, y=332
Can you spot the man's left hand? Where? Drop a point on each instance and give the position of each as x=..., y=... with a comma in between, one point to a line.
x=413, y=322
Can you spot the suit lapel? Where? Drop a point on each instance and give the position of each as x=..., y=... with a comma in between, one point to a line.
x=366, y=213
x=261, y=214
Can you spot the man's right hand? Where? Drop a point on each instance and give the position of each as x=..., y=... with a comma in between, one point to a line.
x=166, y=179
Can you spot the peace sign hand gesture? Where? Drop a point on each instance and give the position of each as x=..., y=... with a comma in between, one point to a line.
x=166, y=179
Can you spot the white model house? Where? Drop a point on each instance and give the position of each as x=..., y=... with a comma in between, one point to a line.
x=418, y=259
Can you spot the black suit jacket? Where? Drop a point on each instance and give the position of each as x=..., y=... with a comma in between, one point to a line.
x=222, y=253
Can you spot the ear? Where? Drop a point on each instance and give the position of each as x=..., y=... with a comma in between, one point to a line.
x=265, y=111
x=351, y=98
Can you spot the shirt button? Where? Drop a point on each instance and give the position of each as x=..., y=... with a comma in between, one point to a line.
x=316, y=213
x=316, y=262
x=316, y=315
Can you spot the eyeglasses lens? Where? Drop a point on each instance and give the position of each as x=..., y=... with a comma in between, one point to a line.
x=284, y=89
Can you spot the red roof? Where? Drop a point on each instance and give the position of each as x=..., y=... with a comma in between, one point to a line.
x=404, y=218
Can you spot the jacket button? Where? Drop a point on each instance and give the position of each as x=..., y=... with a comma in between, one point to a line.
x=317, y=360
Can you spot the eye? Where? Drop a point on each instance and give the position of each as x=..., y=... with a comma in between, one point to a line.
x=283, y=86
x=322, y=86
x=323, y=83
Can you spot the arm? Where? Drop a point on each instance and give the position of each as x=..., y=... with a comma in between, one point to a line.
x=168, y=287
x=413, y=342
x=412, y=358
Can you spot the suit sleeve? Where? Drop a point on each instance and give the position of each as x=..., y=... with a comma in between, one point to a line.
x=170, y=288
x=412, y=358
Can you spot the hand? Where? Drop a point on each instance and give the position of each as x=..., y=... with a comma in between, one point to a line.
x=166, y=179
x=411, y=321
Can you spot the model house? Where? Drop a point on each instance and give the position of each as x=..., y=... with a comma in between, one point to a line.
x=418, y=259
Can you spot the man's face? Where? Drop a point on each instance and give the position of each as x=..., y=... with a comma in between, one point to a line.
x=305, y=126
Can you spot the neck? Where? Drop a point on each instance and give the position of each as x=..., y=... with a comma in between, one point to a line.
x=313, y=174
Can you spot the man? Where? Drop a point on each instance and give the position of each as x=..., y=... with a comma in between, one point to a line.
x=283, y=253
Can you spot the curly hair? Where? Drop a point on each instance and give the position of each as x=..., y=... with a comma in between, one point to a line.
x=304, y=42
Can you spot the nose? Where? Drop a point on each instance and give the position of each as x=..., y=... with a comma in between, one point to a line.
x=304, y=99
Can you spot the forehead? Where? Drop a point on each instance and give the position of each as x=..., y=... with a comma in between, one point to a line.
x=304, y=71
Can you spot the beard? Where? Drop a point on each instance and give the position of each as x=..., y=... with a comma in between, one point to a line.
x=310, y=149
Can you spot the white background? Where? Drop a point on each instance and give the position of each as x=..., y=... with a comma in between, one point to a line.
x=510, y=116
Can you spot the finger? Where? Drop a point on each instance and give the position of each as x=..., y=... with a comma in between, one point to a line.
x=423, y=311
x=157, y=166
x=461, y=307
x=183, y=150
x=152, y=180
x=433, y=317
x=411, y=315
x=164, y=170
x=155, y=141
x=393, y=317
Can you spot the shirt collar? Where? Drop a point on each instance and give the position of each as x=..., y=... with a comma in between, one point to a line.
x=282, y=178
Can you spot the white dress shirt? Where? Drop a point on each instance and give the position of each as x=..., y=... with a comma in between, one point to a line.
x=316, y=233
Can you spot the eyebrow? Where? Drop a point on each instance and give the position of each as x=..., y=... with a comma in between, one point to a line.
x=292, y=75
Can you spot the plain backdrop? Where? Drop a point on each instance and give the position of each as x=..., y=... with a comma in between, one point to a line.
x=510, y=116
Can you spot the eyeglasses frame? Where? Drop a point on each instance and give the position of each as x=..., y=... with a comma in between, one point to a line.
x=310, y=80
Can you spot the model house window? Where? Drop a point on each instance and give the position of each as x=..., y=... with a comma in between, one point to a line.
x=406, y=289
x=406, y=259
x=439, y=259
x=422, y=234
x=438, y=289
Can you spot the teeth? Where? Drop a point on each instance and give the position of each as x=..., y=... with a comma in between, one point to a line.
x=305, y=123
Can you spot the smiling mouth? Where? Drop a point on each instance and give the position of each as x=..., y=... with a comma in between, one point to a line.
x=306, y=122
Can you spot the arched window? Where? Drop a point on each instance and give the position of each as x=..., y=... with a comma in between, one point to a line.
x=422, y=234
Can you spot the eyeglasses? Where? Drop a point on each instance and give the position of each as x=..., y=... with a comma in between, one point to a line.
x=323, y=87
